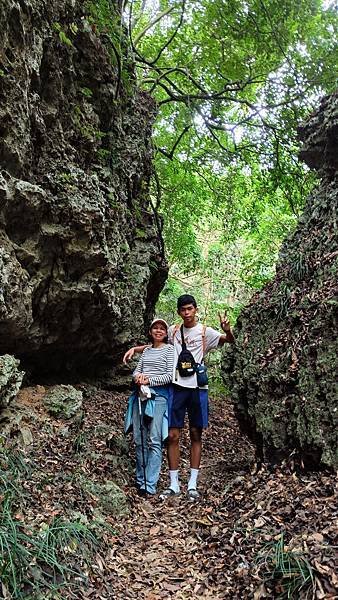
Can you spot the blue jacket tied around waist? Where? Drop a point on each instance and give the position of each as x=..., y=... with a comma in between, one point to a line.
x=158, y=391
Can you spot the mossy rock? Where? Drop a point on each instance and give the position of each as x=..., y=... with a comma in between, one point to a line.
x=63, y=401
x=282, y=371
x=112, y=499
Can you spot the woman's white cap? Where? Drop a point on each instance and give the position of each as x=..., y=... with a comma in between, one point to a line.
x=159, y=320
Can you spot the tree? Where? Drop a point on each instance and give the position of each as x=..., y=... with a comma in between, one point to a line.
x=232, y=79
x=229, y=106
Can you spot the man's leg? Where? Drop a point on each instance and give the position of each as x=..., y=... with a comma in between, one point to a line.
x=174, y=448
x=198, y=419
x=195, y=447
x=173, y=451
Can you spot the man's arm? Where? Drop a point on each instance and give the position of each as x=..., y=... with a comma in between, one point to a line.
x=227, y=337
x=135, y=350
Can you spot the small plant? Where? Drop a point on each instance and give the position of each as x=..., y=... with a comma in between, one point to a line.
x=64, y=38
x=13, y=462
x=87, y=92
x=58, y=540
x=66, y=177
x=286, y=571
x=74, y=28
x=103, y=154
x=12, y=466
x=35, y=562
x=43, y=556
x=15, y=550
x=79, y=442
x=62, y=35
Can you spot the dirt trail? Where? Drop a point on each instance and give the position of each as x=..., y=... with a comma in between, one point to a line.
x=217, y=548
x=211, y=548
x=171, y=548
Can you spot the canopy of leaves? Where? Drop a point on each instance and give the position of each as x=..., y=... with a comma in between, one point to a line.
x=233, y=79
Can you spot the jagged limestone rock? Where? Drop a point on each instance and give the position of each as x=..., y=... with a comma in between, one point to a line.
x=63, y=401
x=282, y=372
x=81, y=255
x=10, y=379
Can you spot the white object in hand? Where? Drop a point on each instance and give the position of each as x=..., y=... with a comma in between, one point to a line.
x=145, y=392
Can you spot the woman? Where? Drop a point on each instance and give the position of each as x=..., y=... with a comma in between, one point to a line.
x=147, y=410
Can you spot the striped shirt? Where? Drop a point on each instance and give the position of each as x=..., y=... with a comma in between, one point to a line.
x=157, y=364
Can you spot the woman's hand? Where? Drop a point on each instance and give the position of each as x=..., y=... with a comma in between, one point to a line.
x=141, y=379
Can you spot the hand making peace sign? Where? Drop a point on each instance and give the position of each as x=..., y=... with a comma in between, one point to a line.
x=224, y=322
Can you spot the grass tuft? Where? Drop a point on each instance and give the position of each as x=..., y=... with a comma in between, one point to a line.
x=37, y=562
x=287, y=572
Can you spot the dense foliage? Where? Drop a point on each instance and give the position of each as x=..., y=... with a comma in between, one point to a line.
x=233, y=80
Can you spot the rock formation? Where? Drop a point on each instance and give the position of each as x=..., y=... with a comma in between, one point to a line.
x=63, y=401
x=81, y=257
x=282, y=373
x=10, y=379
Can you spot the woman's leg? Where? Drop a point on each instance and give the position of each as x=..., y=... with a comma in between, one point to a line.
x=137, y=423
x=155, y=445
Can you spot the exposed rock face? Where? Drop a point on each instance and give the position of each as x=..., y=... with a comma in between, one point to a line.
x=112, y=499
x=81, y=259
x=10, y=379
x=283, y=371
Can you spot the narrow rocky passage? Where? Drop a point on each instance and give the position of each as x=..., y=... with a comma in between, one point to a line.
x=172, y=548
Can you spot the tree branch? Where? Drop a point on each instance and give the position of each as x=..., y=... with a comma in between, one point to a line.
x=170, y=154
x=153, y=62
x=153, y=22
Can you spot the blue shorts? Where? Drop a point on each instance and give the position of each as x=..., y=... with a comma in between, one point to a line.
x=191, y=400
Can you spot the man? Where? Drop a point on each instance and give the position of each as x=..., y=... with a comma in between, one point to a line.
x=187, y=396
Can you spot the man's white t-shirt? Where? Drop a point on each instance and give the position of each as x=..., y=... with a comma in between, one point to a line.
x=194, y=341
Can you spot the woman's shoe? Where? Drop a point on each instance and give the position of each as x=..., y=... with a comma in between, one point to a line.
x=145, y=494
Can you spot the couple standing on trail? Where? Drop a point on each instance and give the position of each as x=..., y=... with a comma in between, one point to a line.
x=164, y=375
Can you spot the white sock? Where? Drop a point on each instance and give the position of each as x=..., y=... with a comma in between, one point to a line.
x=192, y=483
x=174, y=483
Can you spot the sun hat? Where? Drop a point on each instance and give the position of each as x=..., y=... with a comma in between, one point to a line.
x=159, y=320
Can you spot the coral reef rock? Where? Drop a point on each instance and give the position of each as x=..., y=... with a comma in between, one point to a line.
x=81, y=253
x=63, y=401
x=282, y=372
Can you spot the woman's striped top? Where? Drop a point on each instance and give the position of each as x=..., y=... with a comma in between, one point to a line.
x=157, y=364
